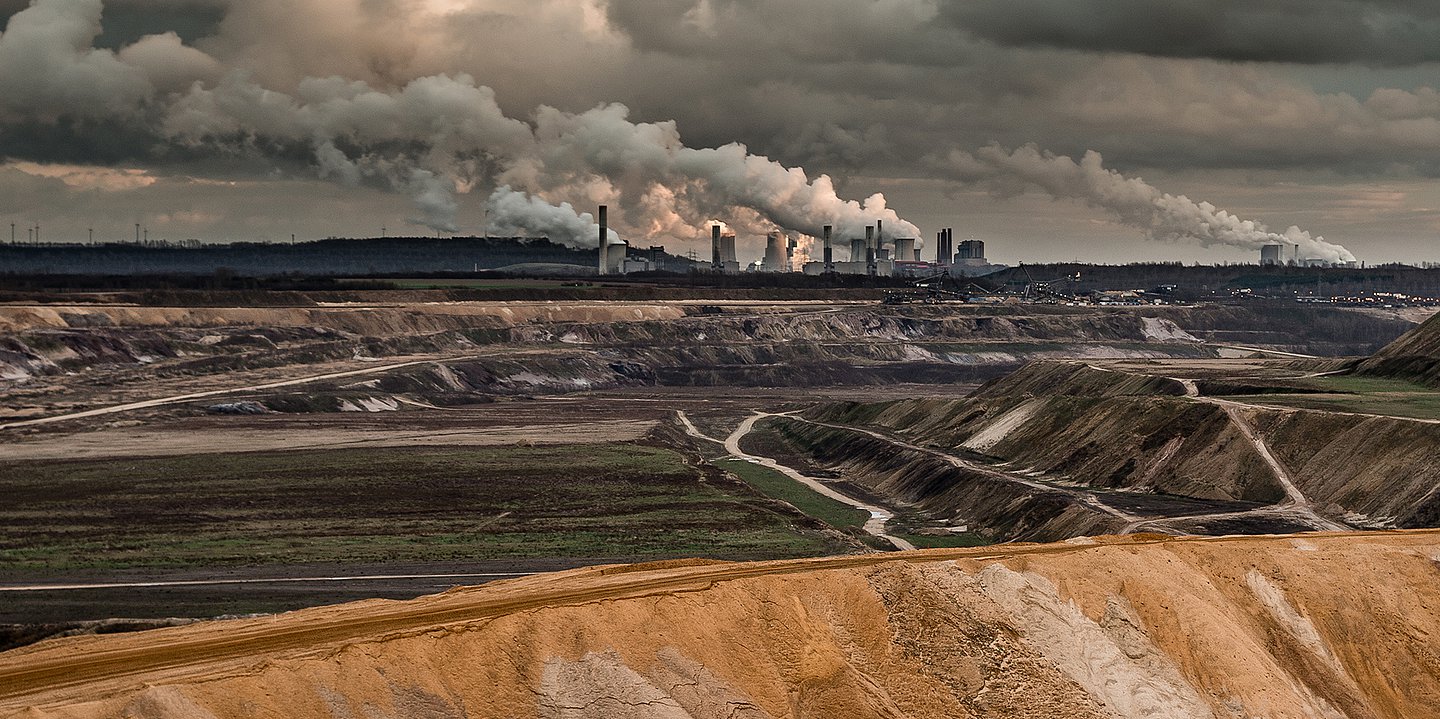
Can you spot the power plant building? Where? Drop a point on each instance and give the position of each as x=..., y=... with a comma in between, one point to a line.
x=610, y=256
x=775, y=254
x=1273, y=254
x=971, y=250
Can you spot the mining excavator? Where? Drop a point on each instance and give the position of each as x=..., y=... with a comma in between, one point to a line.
x=935, y=289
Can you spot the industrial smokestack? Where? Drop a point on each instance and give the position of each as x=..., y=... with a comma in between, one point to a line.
x=715, y=261
x=870, y=267
x=604, y=239
x=829, y=255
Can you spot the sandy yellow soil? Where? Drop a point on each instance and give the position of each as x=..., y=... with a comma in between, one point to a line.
x=1338, y=625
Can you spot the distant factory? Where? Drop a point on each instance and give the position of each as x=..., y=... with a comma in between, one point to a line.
x=875, y=254
x=617, y=257
x=1288, y=255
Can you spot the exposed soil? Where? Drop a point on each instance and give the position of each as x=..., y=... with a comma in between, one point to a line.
x=1141, y=627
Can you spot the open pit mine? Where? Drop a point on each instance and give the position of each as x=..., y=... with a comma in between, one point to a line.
x=418, y=504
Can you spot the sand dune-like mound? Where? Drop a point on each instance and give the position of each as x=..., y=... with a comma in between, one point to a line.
x=1339, y=625
x=1415, y=356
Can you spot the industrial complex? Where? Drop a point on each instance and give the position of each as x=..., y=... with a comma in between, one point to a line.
x=877, y=254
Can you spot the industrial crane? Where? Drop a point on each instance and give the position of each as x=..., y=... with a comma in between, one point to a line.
x=1045, y=289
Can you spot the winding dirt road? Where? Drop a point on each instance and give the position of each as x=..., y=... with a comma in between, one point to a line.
x=879, y=516
x=1088, y=498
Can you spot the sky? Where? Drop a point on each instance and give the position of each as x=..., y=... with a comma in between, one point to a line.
x=1099, y=130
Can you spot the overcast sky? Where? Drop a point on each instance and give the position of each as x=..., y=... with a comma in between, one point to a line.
x=258, y=119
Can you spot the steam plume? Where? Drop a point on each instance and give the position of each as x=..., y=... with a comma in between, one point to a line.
x=514, y=213
x=433, y=138
x=1133, y=201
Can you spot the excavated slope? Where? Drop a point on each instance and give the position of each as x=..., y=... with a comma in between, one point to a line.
x=1414, y=356
x=1123, y=431
x=1279, y=627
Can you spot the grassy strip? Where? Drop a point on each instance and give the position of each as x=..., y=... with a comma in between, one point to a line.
x=381, y=505
x=1370, y=385
x=925, y=541
x=1365, y=395
x=778, y=486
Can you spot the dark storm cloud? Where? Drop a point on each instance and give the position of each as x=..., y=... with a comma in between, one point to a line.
x=129, y=20
x=1373, y=32
x=409, y=95
x=806, y=31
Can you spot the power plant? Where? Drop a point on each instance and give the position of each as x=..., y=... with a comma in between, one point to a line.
x=611, y=256
x=875, y=254
x=1274, y=255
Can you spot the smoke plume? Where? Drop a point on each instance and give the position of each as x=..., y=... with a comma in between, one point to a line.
x=1133, y=201
x=434, y=138
x=516, y=213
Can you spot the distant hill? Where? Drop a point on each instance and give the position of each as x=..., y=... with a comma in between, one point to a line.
x=333, y=257
x=1415, y=356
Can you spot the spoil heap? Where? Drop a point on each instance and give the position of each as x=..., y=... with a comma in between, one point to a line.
x=1301, y=626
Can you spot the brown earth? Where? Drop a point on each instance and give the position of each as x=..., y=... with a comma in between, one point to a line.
x=1300, y=626
x=1131, y=427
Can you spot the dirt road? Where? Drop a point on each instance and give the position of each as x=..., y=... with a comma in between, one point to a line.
x=1087, y=498
x=272, y=580
x=879, y=516
x=176, y=399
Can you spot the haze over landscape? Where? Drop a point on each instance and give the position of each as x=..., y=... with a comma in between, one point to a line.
x=340, y=117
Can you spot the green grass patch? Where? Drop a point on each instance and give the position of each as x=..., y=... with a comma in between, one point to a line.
x=1369, y=385
x=778, y=486
x=382, y=505
x=1365, y=395
x=471, y=284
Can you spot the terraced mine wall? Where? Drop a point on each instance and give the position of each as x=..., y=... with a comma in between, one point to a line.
x=1132, y=432
x=1136, y=628
x=991, y=507
x=666, y=344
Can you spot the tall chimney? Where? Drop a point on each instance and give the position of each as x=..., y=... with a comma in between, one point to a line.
x=604, y=239
x=879, y=234
x=717, y=263
x=829, y=256
x=870, y=267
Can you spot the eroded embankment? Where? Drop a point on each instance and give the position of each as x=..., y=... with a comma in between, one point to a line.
x=1415, y=356
x=1233, y=627
x=1110, y=429
x=540, y=348
x=990, y=505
